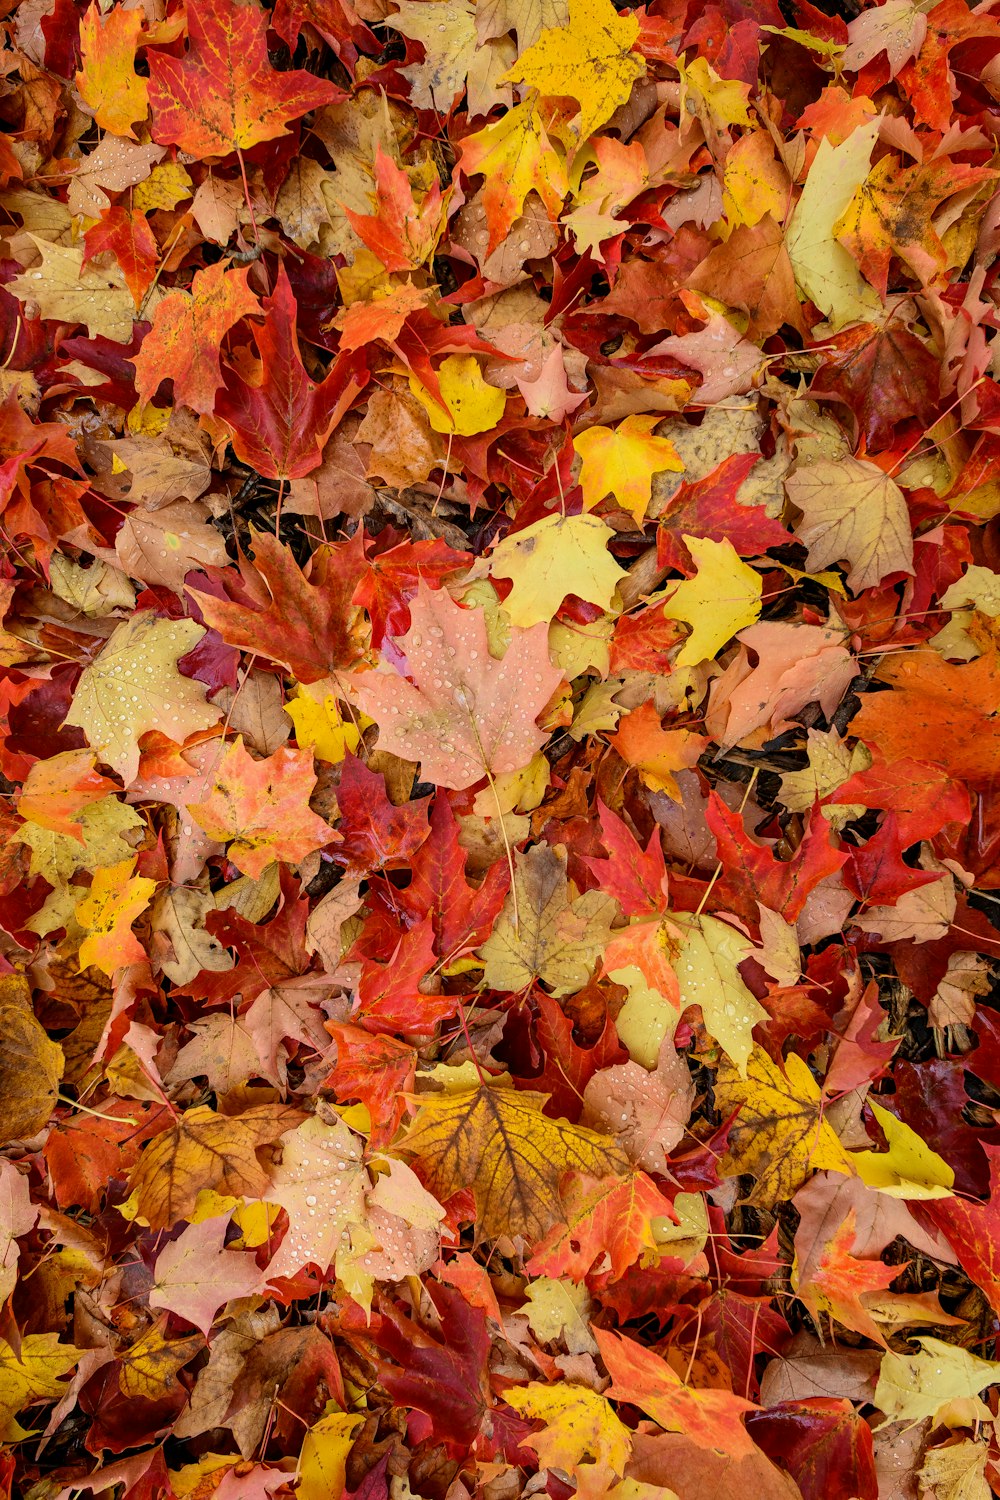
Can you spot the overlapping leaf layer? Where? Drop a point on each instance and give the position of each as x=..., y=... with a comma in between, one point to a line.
x=500, y=728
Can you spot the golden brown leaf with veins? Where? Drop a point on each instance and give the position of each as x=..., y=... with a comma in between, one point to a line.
x=497, y=1142
x=206, y=1150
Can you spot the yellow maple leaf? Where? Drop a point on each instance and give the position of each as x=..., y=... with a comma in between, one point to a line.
x=497, y=1141
x=622, y=460
x=107, y=80
x=590, y=60
x=106, y=914
x=31, y=1375
x=541, y=933
x=319, y=724
x=708, y=975
x=581, y=1427
x=723, y=597
x=779, y=1135
x=472, y=405
x=909, y=1169
x=556, y=556
x=824, y=270
x=722, y=100
x=134, y=685
x=912, y=1387
x=516, y=157
x=322, y=1466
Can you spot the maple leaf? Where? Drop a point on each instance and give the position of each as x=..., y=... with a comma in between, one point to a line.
x=581, y=1428
x=116, y=899
x=779, y=1135
x=463, y=915
x=31, y=1374
x=206, y=1150
x=134, y=685
x=552, y=558
x=723, y=597
x=459, y=711
x=304, y=622
x=590, y=59
x=542, y=933
x=839, y=1280
x=712, y=1419
x=97, y=297
x=938, y=713
x=752, y=272
x=621, y=462
x=185, y=341
x=912, y=1387
x=322, y=1469
x=656, y=752
x=892, y=213
x=823, y=268
x=195, y=1275
x=263, y=807
x=516, y=157
x=496, y=1141
x=107, y=80
x=224, y=96
x=609, y=1220
x=279, y=423
x=851, y=510
x=402, y=235
x=31, y=1065
x=468, y=404
x=57, y=790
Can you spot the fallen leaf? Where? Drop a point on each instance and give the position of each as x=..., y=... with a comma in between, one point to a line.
x=496, y=1141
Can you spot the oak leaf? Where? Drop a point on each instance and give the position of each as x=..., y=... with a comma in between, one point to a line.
x=496, y=1141
x=223, y=95
x=779, y=1135
x=543, y=933
x=459, y=711
x=206, y=1150
x=262, y=806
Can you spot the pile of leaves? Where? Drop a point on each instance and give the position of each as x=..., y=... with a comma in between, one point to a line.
x=500, y=728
